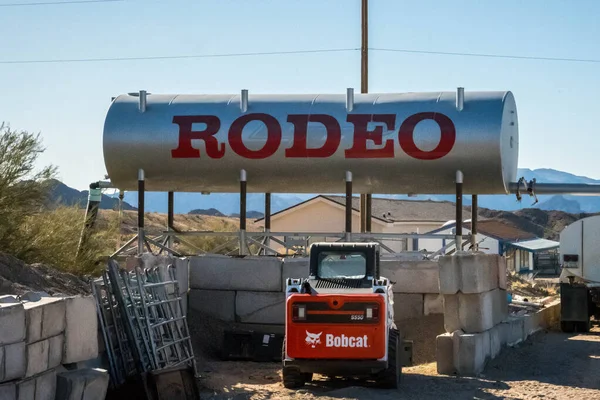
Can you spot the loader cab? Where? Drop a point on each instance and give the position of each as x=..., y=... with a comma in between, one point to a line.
x=351, y=265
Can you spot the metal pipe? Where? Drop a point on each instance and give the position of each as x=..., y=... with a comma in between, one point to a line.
x=474, y=211
x=459, y=210
x=142, y=104
x=363, y=213
x=349, y=99
x=460, y=98
x=243, y=191
x=581, y=189
x=244, y=100
x=348, y=204
x=141, y=204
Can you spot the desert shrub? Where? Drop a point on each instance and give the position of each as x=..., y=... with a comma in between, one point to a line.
x=55, y=236
x=29, y=230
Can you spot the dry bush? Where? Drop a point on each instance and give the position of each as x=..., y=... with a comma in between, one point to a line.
x=55, y=239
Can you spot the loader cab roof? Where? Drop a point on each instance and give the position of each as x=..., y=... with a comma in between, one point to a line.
x=347, y=261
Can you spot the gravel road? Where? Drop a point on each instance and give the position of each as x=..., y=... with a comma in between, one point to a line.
x=549, y=365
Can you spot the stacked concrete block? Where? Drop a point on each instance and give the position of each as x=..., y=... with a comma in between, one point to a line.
x=81, y=329
x=294, y=268
x=218, y=304
x=260, y=307
x=475, y=304
x=261, y=274
x=412, y=276
x=39, y=387
x=12, y=340
x=408, y=305
x=85, y=384
x=433, y=304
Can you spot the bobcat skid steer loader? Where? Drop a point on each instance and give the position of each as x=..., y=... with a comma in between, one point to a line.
x=340, y=320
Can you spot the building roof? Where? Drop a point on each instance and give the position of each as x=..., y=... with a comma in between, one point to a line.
x=536, y=245
x=495, y=229
x=397, y=210
x=400, y=210
x=501, y=230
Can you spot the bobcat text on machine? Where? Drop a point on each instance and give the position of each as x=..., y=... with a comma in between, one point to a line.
x=340, y=320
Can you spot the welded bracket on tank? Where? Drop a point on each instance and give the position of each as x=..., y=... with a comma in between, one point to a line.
x=529, y=188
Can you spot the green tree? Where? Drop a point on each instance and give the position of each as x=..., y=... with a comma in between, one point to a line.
x=23, y=187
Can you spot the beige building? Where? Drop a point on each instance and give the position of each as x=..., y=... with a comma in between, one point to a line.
x=326, y=214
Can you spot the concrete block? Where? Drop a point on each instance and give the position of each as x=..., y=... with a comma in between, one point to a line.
x=84, y=384
x=26, y=390
x=13, y=361
x=412, y=276
x=500, y=306
x=41, y=387
x=473, y=353
x=469, y=273
x=37, y=358
x=55, y=351
x=472, y=313
x=260, y=307
x=531, y=324
x=228, y=273
x=219, y=304
x=434, y=304
x=12, y=323
x=294, y=268
x=496, y=341
x=449, y=267
x=182, y=270
x=44, y=318
x=502, y=273
x=444, y=354
x=513, y=330
x=81, y=329
x=408, y=305
x=8, y=391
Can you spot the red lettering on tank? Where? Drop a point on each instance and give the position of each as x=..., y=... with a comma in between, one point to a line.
x=447, y=138
x=214, y=149
x=362, y=134
x=273, y=136
x=300, y=148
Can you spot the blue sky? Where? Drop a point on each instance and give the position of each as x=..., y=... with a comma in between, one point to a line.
x=67, y=102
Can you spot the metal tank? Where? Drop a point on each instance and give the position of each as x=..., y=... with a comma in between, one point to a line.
x=391, y=143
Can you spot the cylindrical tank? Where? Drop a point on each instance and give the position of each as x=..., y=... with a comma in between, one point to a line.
x=391, y=143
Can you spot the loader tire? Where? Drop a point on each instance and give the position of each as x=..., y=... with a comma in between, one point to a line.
x=390, y=377
x=292, y=377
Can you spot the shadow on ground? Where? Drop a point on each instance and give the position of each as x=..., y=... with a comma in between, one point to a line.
x=547, y=365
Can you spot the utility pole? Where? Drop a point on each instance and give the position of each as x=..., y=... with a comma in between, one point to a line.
x=365, y=199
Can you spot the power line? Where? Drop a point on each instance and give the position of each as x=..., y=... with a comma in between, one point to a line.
x=268, y=53
x=445, y=53
x=52, y=3
x=73, y=60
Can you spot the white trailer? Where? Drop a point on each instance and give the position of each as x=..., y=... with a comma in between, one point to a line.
x=580, y=276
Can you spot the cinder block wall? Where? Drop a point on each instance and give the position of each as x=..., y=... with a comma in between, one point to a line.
x=250, y=291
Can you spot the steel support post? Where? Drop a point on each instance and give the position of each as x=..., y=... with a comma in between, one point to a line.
x=474, y=211
x=243, y=179
x=141, y=198
x=348, y=205
x=267, y=221
x=459, y=210
x=170, y=218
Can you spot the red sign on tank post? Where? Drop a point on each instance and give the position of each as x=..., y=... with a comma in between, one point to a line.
x=299, y=147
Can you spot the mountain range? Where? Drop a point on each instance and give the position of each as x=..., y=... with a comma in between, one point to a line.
x=229, y=204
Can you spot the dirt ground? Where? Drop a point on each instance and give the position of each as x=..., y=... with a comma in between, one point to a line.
x=549, y=365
